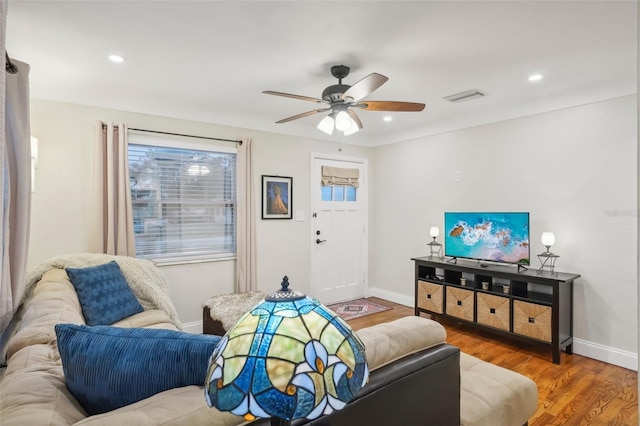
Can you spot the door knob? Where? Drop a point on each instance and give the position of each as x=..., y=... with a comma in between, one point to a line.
x=318, y=241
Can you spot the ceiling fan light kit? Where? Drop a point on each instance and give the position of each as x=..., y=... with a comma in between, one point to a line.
x=351, y=130
x=327, y=124
x=342, y=98
x=342, y=122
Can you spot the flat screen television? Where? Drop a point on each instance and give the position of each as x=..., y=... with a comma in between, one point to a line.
x=494, y=237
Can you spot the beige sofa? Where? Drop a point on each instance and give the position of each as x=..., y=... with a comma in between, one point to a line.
x=33, y=389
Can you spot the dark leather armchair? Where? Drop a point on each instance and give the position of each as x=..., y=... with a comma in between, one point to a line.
x=420, y=389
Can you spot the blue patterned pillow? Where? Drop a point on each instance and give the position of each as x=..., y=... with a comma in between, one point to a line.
x=104, y=293
x=109, y=367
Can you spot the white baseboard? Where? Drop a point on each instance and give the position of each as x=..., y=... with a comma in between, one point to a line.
x=606, y=354
x=391, y=296
x=194, y=327
x=597, y=351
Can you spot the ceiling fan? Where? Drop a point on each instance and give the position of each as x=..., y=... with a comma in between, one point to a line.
x=342, y=99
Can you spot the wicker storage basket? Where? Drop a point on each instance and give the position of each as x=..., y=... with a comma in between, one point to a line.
x=532, y=320
x=460, y=303
x=430, y=296
x=493, y=311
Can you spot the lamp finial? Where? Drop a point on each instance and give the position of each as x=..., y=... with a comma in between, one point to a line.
x=285, y=283
x=285, y=293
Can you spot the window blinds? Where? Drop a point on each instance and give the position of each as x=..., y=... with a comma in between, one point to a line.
x=184, y=202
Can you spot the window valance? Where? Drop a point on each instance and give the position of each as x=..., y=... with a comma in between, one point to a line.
x=340, y=176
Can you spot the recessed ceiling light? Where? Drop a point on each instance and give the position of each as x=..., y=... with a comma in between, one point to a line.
x=535, y=77
x=116, y=58
x=387, y=118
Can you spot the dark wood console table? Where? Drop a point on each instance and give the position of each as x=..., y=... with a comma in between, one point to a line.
x=524, y=304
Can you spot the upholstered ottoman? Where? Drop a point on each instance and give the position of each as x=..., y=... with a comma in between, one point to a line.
x=220, y=313
x=491, y=395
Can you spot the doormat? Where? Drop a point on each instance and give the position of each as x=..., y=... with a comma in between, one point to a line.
x=356, y=308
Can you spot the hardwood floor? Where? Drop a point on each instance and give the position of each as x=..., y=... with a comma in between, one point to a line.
x=579, y=391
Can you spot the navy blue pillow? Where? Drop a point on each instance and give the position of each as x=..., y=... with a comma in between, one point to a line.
x=104, y=294
x=109, y=367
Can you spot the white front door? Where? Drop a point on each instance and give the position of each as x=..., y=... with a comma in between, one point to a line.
x=339, y=233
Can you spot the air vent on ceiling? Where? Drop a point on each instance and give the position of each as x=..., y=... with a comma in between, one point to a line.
x=466, y=96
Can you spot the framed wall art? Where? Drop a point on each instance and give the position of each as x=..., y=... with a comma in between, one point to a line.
x=277, y=197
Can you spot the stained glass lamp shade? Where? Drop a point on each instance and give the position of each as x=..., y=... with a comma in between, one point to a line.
x=289, y=357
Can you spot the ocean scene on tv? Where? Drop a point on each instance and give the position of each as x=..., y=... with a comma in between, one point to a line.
x=496, y=237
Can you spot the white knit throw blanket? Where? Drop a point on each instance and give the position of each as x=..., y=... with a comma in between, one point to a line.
x=146, y=281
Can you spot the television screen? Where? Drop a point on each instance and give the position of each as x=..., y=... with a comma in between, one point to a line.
x=495, y=237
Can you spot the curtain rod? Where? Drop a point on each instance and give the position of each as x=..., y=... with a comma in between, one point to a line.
x=188, y=136
x=9, y=66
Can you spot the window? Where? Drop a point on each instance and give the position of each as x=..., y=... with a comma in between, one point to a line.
x=338, y=193
x=184, y=198
x=339, y=184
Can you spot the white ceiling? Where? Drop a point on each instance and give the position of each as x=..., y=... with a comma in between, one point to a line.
x=210, y=60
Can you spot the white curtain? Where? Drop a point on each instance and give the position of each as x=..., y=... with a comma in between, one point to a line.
x=15, y=177
x=246, y=219
x=117, y=236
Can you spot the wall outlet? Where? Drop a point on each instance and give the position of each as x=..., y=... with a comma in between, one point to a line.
x=457, y=176
x=299, y=216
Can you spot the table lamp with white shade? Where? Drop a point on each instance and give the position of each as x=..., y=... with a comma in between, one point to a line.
x=435, y=248
x=547, y=258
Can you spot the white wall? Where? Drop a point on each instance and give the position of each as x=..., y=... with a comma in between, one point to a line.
x=63, y=212
x=574, y=170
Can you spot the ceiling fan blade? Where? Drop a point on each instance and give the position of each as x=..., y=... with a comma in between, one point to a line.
x=365, y=86
x=355, y=117
x=289, y=95
x=390, y=106
x=304, y=114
